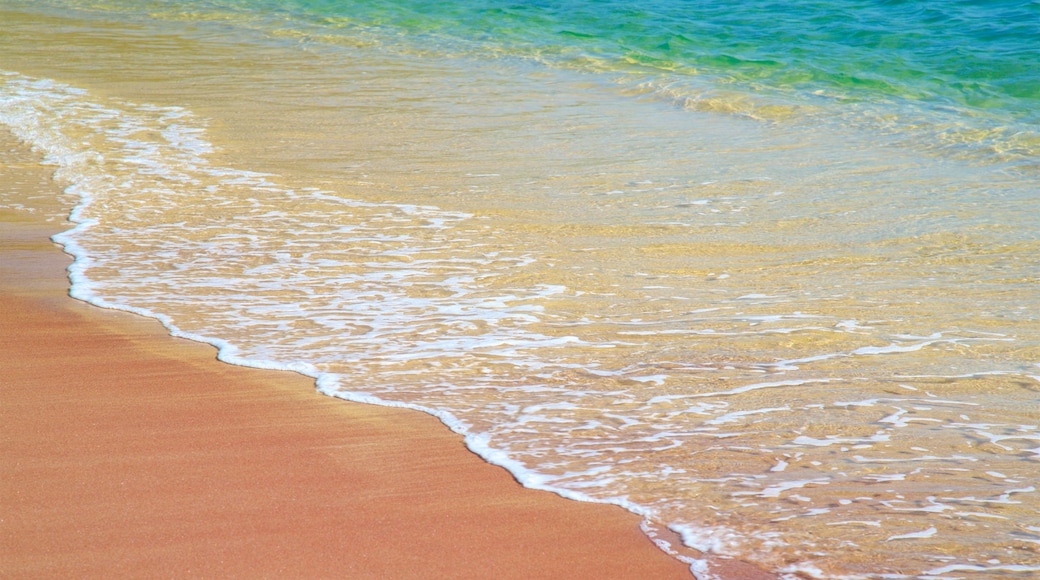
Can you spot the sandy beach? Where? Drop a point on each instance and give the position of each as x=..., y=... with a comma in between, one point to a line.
x=651, y=291
x=128, y=453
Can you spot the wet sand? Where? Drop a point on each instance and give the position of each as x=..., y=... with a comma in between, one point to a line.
x=126, y=452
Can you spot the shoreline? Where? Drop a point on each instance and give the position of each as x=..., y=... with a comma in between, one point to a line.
x=130, y=452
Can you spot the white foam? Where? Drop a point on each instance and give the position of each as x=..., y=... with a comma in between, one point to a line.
x=776, y=490
x=835, y=440
x=883, y=477
x=809, y=513
x=935, y=507
x=757, y=386
x=976, y=568
x=656, y=379
x=711, y=539
x=781, y=465
x=914, y=535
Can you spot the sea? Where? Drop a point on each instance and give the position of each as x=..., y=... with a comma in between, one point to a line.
x=765, y=273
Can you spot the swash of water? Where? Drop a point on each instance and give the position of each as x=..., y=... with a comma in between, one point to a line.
x=766, y=276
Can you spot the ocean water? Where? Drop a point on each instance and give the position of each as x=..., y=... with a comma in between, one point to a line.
x=766, y=274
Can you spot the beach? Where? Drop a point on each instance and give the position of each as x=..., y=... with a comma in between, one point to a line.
x=474, y=289
x=127, y=452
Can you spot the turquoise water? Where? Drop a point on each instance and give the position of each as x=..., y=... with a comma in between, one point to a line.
x=979, y=55
x=764, y=273
x=961, y=75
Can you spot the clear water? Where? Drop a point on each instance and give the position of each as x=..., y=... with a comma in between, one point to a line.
x=764, y=274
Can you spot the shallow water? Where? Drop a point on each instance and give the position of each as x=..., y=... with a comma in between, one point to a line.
x=783, y=328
